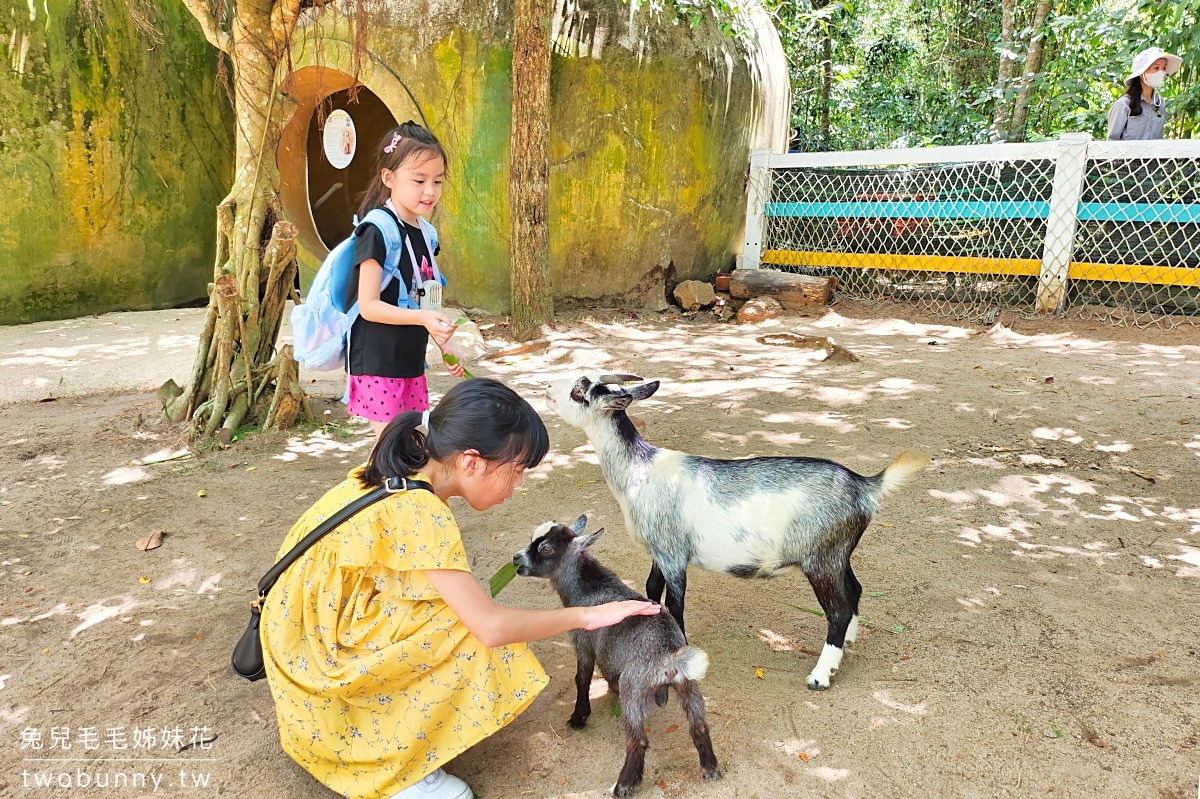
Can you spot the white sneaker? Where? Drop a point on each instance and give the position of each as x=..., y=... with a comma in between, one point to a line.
x=438, y=785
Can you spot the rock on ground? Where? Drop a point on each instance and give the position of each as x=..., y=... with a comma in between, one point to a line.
x=692, y=295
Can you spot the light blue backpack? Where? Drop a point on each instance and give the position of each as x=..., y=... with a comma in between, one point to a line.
x=321, y=324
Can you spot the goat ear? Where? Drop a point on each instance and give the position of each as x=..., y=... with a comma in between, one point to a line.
x=579, y=525
x=614, y=402
x=643, y=391
x=586, y=541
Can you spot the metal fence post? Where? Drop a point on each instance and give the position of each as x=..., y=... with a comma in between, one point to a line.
x=1070, y=168
x=758, y=192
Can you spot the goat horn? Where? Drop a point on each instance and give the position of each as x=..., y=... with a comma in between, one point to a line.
x=619, y=379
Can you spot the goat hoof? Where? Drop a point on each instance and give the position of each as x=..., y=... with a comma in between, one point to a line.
x=815, y=684
x=709, y=776
x=621, y=791
x=578, y=724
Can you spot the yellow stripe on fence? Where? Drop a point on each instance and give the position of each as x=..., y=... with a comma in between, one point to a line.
x=1120, y=273
x=916, y=263
x=1133, y=273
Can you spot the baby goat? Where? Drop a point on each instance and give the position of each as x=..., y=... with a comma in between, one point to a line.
x=641, y=657
x=756, y=517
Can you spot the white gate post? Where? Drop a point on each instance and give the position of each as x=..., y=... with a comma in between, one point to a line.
x=758, y=192
x=1070, y=168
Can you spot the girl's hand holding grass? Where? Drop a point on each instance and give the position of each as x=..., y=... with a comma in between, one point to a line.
x=452, y=360
x=439, y=326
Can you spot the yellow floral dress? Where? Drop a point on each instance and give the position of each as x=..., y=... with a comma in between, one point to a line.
x=376, y=681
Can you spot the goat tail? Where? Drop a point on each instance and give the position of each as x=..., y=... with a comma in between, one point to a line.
x=904, y=467
x=682, y=665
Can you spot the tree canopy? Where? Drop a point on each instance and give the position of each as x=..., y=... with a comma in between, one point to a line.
x=892, y=73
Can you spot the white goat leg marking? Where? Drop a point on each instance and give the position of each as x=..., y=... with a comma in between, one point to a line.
x=827, y=664
x=852, y=630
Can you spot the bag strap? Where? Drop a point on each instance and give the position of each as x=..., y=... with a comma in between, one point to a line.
x=393, y=485
x=393, y=237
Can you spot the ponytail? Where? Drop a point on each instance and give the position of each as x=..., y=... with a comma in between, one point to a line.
x=481, y=414
x=1134, y=93
x=399, y=452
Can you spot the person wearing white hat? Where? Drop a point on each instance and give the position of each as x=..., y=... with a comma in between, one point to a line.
x=1140, y=112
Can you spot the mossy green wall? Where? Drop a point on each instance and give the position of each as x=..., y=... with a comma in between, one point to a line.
x=114, y=153
x=650, y=134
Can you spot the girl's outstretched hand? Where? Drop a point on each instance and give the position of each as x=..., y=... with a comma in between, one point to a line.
x=440, y=327
x=454, y=363
x=608, y=614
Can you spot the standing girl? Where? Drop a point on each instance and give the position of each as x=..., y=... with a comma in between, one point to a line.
x=1140, y=112
x=386, y=369
x=385, y=657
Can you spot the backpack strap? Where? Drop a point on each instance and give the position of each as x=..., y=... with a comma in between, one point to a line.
x=393, y=238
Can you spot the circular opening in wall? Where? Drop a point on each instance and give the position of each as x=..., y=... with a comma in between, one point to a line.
x=327, y=152
x=342, y=138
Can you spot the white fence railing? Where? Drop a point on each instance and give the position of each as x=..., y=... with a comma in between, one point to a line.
x=1096, y=228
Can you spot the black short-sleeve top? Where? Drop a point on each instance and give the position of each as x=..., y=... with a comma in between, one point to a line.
x=377, y=348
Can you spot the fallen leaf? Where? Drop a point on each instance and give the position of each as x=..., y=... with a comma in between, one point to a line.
x=562, y=780
x=662, y=785
x=152, y=541
x=202, y=493
x=45, y=651
x=803, y=756
x=251, y=468
x=758, y=673
x=143, y=580
x=886, y=524
x=672, y=728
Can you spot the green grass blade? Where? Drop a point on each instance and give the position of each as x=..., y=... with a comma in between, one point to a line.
x=502, y=578
x=813, y=611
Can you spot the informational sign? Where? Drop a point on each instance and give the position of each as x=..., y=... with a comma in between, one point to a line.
x=339, y=139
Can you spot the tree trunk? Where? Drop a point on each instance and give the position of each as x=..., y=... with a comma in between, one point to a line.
x=529, y=169
x=237, y=374
x=826, y=82
x=1008, y=67
x=1033, y=68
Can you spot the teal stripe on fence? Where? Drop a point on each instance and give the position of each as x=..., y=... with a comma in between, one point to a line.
x=956, y=209
x=986, y=209
x=1139, y=212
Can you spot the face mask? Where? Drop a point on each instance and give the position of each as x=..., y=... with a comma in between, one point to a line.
x=1154, y=80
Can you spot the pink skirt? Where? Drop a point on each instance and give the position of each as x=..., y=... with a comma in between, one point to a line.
x=379, y=399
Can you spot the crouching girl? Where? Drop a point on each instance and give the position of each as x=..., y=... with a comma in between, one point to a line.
x=385, y=657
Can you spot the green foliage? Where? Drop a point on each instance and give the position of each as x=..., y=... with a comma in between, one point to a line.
x=927, y=72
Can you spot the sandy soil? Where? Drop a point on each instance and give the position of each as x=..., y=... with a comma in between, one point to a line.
x=1031, y=596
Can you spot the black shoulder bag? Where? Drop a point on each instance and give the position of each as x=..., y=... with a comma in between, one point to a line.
x=247, y=657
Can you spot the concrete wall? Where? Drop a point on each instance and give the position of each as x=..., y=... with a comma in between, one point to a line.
x=114, y=153
x=651, y=128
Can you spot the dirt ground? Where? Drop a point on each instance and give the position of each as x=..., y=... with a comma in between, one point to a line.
x=1031, y=596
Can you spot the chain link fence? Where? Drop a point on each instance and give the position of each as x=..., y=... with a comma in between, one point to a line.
x=1098, y=229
